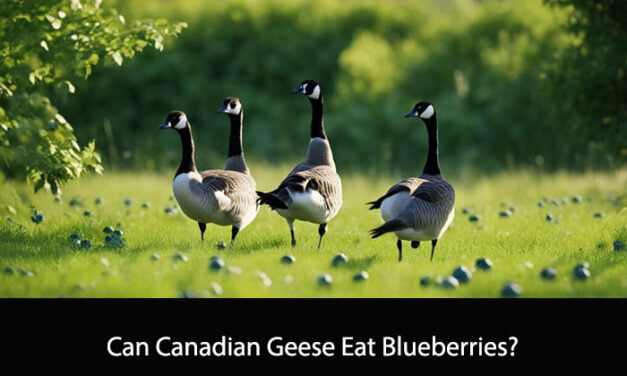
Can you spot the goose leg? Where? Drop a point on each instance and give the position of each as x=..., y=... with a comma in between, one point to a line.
x=433, y=243
x=322, y=229
x=234, y=231
x=290, y=222
x=202, y=227
x=415, y=244
x=399, y=245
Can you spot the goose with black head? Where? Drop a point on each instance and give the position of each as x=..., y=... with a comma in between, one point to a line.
x=312, y=191
x=418, y=208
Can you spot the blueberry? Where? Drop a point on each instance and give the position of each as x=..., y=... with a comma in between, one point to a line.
x=171, y=211
x=118, y=233
x=75, y=202
x=9, y=270
x=474, y=218
x=288, y=259
x=155, y=257
x=548, y=273
x=99, y=201
x=426, y=280
x=581, y=271
x=450, y=282
x=339, y=260
x=540, y=204
x=577, y=199
x=505, y=214
x=618, y=245
x=513, y=208
x=361, y=276
x=179, y=256
x=114, y=241
x=462, y=274
x=511, y=290
x=325, y=280
x=598, y=215
x=37, y=217
x=76, y=236
x=108, y=230
x=145, y=205
x=465, y=211
x=221, y=245
x=87, y=213
x=128, y=202
x=484, y=263
x=216, y=263
x=85, y=244
x=549, y=217
x=26, y=273
x=555, y=202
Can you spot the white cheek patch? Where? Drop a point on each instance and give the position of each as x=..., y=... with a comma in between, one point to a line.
x=303, y=88
x=316, y=93
x=182, y=123
x=426, y=114
x=234, y=111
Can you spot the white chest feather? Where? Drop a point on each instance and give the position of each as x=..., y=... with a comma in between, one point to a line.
x=393, y=205
x=307, y=206
x=195, y=201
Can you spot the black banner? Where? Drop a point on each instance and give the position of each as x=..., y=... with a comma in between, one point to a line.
x=238, y=333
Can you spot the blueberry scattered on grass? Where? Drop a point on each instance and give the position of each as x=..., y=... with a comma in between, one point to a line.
x=505, y=214
x=361, y=276
x=597, y=215
x=108, y=230
x=37, y=217
x=577, y=199
x=216, y=263
x=146, y=205
x=75, y=236
x=540, y=204
x=618, y=245
x=549, y=217
x=582, y=271
x=465, y=211
x=548, y=274
x=26, y=273
x=325, y=280
x=484, y=263
x=474, y=218
x=511, y=290
x=462, y=274
x=288, y=259
x=99, y=201
x=339, y=260
x=9, y=270
x=75, y=202
x=221, y=245
x=170, y=210
x=450, y=282
x=155, y=257
x=128, y=202
x=85, y=244
x=426, y=280
x=179, y=256
x=87, y=213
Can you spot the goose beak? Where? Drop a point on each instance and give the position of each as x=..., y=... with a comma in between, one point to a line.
x=165, y=125
x=298, y=90
x=222, y=108
x=412, y=113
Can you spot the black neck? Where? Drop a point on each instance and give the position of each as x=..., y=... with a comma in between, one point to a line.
x=187, y=157
x=235, y=139
x=317, y=122
x=432, y=166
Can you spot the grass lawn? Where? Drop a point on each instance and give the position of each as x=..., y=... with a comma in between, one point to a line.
x=38, y=260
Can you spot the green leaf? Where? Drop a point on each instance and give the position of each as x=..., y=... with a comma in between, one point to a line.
x=117, y=57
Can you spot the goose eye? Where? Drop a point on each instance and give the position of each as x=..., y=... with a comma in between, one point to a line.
x=232, y=105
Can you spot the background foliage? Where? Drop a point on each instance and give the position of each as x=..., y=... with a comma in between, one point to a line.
x=516, y=84
x=45, y=46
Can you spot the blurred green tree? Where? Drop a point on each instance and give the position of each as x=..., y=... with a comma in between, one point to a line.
x=51, y=43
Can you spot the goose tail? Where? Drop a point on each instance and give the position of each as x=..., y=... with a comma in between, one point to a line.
x=391, y=226
x=271, y=200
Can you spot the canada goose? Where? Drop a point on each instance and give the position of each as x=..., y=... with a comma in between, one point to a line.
x=224, y=197
x=421, y=208
x=312, y=191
